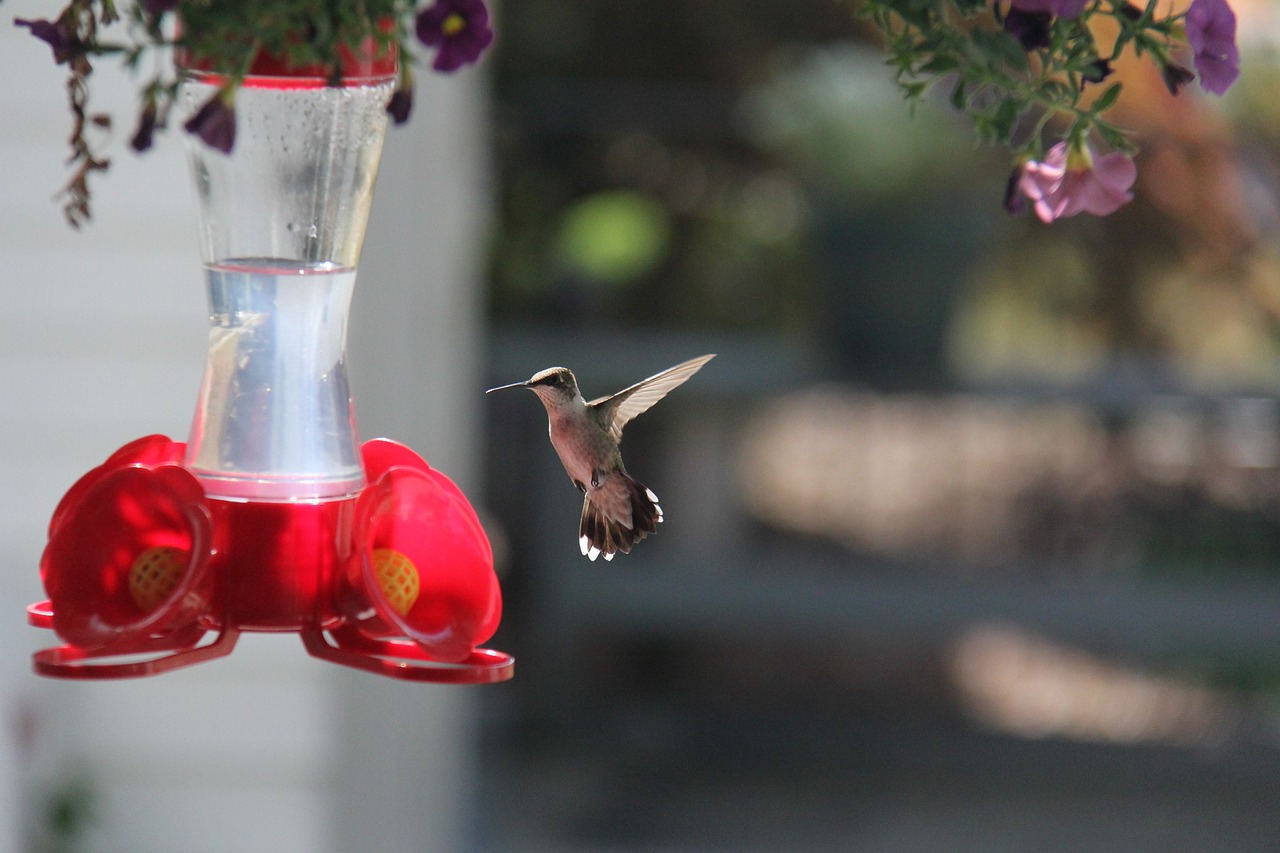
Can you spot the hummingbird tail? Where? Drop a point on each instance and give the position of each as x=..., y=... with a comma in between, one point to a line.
x=599, y=534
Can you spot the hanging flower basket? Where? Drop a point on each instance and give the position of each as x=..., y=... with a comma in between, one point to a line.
x=1036, y=76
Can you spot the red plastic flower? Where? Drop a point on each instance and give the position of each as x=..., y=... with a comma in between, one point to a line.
x=458, y=29
x=414, y=522
x=128, y=550
x=148, y=451
x=1071, y=181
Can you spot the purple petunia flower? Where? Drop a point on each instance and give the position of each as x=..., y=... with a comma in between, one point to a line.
x=1059, y=8
x=1014, y=201
x=400, y=104
x=145, y=134
x=52, y=34
x=215, y=122
x=1211, y=32
x=1066, y=183
x=1031, y=29
x=458, y=29
x=1097, y=71
x=1175, y=77
x=156, y=8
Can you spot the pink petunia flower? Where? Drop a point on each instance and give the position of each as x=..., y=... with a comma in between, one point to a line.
x=1069, y=182
x=1211, y=32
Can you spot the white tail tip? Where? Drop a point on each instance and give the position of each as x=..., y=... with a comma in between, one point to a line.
x=654, y=498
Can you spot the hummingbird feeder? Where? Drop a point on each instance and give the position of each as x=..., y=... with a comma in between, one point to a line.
x=272, y=517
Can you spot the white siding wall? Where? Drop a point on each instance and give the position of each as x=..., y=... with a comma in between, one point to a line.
x=102, y=341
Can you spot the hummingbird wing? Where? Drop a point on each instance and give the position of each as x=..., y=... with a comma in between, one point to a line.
x=616, y=411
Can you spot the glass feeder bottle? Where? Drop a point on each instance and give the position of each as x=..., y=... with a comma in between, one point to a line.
x=282, y=219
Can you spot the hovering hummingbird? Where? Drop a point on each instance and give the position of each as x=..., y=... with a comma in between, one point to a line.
x=617, y=511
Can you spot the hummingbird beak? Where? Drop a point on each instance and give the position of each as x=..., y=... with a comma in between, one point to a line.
x=524, y=384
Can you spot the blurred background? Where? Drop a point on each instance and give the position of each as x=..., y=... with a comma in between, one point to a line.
x=973, y=525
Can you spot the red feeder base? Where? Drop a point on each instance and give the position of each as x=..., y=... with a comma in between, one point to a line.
x=145, y=573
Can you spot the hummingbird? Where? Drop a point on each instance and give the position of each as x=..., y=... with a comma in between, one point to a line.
x=617, y=511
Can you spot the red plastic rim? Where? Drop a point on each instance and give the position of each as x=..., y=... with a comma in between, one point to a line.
x=406, y=660
x=367, y=68
x=145, y=659
x=40, y=614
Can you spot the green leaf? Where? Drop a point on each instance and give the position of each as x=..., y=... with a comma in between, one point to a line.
x=1114, y=136
x=914, y=90
x=940, y=64
x=1107, y=99
x=1055, y=91
x=1000, y=47
x=982, y=124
